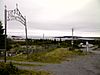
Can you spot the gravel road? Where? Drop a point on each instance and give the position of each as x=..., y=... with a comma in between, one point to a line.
x=85, y=65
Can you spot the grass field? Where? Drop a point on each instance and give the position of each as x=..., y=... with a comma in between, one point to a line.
x=54, y=56
x=22, y=64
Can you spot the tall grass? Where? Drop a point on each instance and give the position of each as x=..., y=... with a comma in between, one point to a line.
x=54, y=56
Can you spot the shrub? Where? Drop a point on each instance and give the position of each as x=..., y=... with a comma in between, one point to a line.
x=8, y=69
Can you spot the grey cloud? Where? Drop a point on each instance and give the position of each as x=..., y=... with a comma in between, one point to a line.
x=85, y=19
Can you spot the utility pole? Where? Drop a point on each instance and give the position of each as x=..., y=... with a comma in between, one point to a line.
x=43, y=42
x=43, y=36
x=72, y=42
x=5, y=11
x=26, y=38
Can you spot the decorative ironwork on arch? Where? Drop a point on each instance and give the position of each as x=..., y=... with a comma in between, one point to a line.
x=11, y=15
x=15, y=15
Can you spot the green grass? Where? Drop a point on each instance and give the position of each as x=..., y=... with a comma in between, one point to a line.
x=55, y=56
x=21, y=64
x=26, y=72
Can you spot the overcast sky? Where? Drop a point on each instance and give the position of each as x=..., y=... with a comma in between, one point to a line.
x=56, y=17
